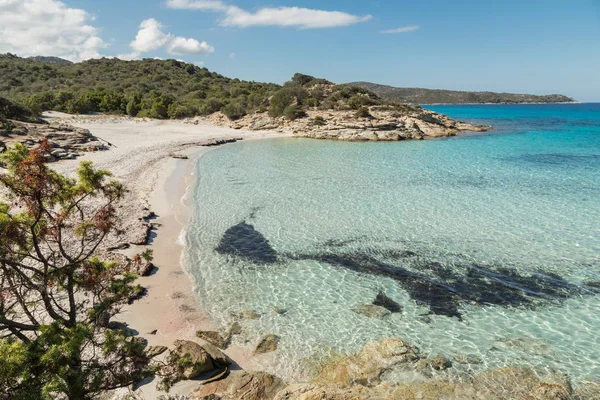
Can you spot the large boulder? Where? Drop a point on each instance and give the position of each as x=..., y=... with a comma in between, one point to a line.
x=367, y=366
x=189, y=359
x=330, y=392
x=522, y=383
x=241, y=385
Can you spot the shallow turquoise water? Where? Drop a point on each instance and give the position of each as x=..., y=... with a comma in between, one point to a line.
x=489, y=243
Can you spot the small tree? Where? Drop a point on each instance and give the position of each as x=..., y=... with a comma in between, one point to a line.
x=234, y=110
x=363, y=112
x=56, y=298
x=294, y=112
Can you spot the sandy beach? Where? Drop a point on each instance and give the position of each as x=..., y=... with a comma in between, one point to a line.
x=141, y=156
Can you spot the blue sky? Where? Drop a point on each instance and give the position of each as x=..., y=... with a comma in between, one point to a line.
x=527, y=46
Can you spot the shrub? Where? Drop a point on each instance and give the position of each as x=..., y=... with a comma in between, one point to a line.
x=318, y=121
x=363, y=112
x=234, y=110
x=79, y=105
x=294, y=112
x=180, y=111
x=302, y=79
x=211, y=105
x=280, y=100
x=312, y=102
x=132, y=108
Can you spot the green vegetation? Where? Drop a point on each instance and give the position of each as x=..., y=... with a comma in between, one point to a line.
x=147, y=88
x=56, y=298
x=434, y=96
x=12, y=110
x=294, y=112
x=363, y=112
x=165, y=89
x=318, y=121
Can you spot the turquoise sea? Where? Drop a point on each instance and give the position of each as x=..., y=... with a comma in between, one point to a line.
x=482, y=247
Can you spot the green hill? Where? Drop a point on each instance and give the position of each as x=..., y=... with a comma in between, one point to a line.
x=164, y=89
x=435, y=96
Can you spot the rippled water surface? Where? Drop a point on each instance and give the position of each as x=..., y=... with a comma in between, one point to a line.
x=481, y=246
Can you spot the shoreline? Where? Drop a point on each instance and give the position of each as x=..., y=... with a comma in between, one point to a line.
x=158, y=185
x=171, y=306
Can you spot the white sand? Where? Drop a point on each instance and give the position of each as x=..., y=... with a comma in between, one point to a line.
x=141, y=159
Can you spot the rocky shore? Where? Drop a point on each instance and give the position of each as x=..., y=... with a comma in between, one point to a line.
x=380, y=124
x=198, y=362
x=369, y=375
x=67, y=142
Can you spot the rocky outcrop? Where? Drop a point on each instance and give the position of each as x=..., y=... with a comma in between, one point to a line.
x=242, y=385
x=364, y=376
x=189, y=360
x=382, y=124
x=66, y=142
x=366, y=367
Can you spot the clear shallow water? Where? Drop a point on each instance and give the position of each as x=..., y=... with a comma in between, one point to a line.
x=490, y=243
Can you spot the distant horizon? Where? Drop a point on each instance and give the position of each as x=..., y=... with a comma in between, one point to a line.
x=534, y=47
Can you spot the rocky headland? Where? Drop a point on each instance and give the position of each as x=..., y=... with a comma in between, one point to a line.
x=438, y=96
x=378, y=124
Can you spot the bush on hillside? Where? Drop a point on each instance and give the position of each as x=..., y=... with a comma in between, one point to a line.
x=363, y=112
x=318, y=121
x=294, y=112
x=234, y=110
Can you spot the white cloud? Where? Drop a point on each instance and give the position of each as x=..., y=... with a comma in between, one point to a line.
x=209, y=5
x=402, y=29
x=48, y=28
x=180, y=46
x=151, y=37
x=303, y=18
x=290, y=16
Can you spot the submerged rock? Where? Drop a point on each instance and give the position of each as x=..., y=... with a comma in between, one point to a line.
x=389, y=304
x=214, y=338
x=245, y=314
x=439, y=363
x=367, y=366
x=444, y=288
x=522, y=383
x=267, y=344
x=242, y=240
x=372, y=311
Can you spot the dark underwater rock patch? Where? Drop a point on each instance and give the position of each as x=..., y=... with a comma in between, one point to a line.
x=242, y=240
x=383, y=301
x=444, y=288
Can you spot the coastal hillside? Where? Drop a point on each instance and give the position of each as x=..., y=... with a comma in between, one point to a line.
x=170, y=89
x=436, y=96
